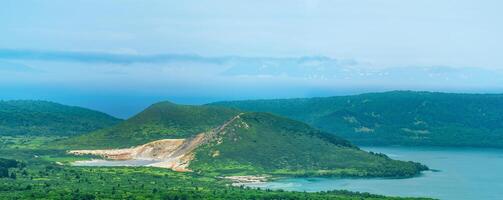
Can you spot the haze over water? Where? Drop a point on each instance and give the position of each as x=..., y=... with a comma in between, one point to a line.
x=121, y=56
x=463, y=174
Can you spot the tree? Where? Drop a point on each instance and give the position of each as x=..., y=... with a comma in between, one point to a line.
x=13, y=175
x=4, y=172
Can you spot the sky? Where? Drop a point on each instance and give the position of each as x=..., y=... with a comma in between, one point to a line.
x=119, y=56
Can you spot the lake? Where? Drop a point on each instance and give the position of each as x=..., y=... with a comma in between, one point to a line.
x=462, y=174
x=113, y=163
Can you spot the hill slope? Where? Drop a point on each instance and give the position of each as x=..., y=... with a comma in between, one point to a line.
x=43, y=118
x=397, y=118
x=264, y=143
x=225, y=141
x=159, y=121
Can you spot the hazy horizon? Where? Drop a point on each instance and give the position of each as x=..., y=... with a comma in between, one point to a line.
x=120, y=58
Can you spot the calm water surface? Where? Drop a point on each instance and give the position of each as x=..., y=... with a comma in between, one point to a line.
x=463, y=174
x=99, y=162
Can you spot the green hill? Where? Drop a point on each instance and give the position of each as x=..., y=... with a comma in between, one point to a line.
x=159, y=121
x=397, y=118
x=264, y=143
x=43, y=118
x=226, y=141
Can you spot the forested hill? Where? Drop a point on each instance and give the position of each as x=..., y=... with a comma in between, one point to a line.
x=265, y=143
x=397, y=118
x=228, y=141
x=27, y=117
x=159, y=121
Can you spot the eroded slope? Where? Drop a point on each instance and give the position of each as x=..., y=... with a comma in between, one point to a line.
x=174, y=154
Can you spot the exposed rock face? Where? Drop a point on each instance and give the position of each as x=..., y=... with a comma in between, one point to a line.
x=171, y=153
x=159, y=149
x=174, y=154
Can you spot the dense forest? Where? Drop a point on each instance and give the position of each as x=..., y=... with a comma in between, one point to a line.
x=43, y=118
x=397, y=118
x=5, y=165
x=41, y=178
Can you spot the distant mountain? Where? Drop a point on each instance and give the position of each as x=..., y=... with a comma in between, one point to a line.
x=397, y=118
x=27, y=117
x=226, y=141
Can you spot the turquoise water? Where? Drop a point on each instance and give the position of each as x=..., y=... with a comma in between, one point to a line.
x=462, y=174
x=113, y=163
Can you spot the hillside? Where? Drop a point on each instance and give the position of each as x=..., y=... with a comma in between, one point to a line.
x=224, y=141
x=164, y=120
x=397, y=118
x=43, y=118
x=264, y=143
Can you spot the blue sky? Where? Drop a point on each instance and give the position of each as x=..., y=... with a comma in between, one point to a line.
x=120, y=56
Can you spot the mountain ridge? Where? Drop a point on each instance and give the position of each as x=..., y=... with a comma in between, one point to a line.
x=396, y=117
x=45, y=118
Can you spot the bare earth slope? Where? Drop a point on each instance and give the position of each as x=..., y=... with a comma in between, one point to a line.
x=174, y=154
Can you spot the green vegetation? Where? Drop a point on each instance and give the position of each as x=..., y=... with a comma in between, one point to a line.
x=254, y=143
x=5, y=165
x=163, y=120
x=397, y=118
x=261, y=143
x=41, y=179
x=42, y=118
x=26, y=141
